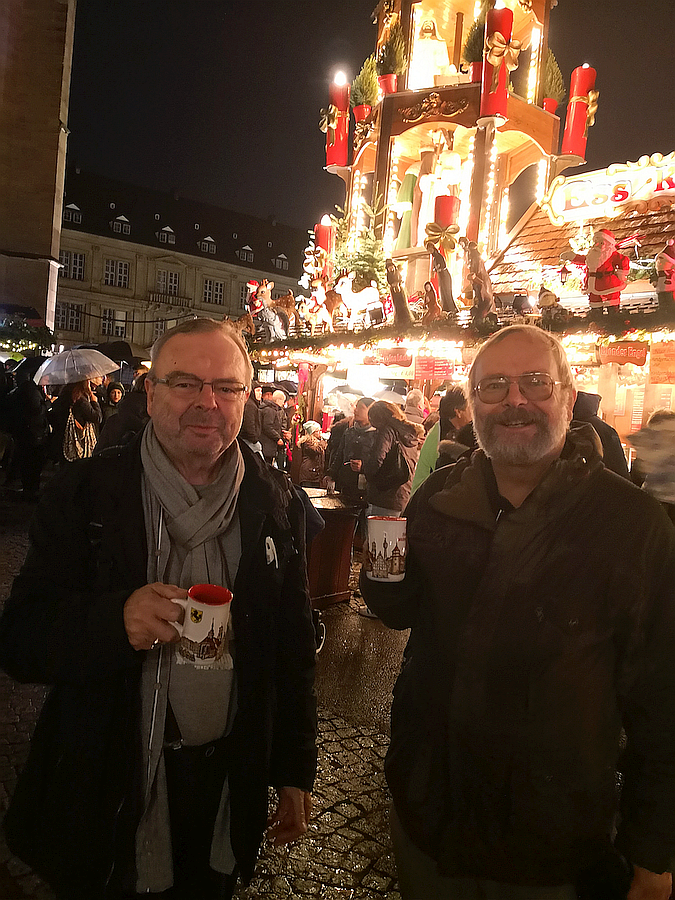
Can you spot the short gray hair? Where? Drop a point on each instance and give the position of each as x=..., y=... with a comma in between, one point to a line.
x=415, y=398
x=531, y=332
x=204, y=325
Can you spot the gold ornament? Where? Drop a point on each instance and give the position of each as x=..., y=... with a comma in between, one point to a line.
x=442, y=237
x=591, y=100
x=497, y=51
x=328, y=122
x=431, y=106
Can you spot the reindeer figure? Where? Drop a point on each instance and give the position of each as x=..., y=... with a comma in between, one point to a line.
x=358, y=303
x=314, y=310
x=286, y=304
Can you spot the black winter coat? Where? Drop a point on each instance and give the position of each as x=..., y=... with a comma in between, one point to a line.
x=74, y=813
x=537, y=633
x=408, y=437
x=586, y=410
x=271, y=424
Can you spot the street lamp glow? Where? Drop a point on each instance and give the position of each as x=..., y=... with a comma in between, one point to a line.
x=340, y=79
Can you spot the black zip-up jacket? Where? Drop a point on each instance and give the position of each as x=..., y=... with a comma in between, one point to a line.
x=537, y=633
x=73, y=816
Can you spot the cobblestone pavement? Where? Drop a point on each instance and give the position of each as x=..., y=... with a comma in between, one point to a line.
x=347, y=854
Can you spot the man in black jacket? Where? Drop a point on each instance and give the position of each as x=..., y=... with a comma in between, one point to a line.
x=540, y=590
x=146, y=773
x=271, y=424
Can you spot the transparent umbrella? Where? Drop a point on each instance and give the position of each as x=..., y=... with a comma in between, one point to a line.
x=74, y=365
x=391, y=396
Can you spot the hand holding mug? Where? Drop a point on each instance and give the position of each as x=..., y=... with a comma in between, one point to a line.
x=149, y=612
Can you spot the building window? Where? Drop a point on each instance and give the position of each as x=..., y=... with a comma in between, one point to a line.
x=116, y=273
x=72, y=265
x=113, y=323
x=168, y=282
x=166, y=236
x=281, y=262
x=121, y=226
x=68, y=316
x=158, y=329
x=243, y=295
x=245, y=254
x=72, y=214
x=214, y=291
x=208, y=246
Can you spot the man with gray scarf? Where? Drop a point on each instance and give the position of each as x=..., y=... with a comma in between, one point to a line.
x=149, y=775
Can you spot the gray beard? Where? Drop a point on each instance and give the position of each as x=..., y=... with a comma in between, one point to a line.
x=550, y=435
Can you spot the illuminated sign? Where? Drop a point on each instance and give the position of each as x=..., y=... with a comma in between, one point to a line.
x=609, y=192
x=622, y=352
x=662, y=362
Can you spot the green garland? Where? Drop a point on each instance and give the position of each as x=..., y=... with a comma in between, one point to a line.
x=554, y=86
x=474, y=44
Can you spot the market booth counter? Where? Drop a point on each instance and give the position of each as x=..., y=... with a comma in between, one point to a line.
x=330, y=554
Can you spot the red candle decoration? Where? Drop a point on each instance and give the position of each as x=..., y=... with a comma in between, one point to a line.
x=324, y=237
x=337, y=135
x=446, y=210
x=580, y=111
x=494, y=91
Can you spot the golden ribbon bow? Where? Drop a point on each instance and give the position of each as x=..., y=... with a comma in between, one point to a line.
x=442, y=237
x=592, y=101
x=328, y=121
x=315, y=261
x=497, y=51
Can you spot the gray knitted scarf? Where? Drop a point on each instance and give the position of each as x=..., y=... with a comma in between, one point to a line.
x=192, y=520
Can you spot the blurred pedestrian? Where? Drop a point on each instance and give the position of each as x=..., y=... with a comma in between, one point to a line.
x=454, y=414
x=271, y=418
x=353, y=441
x=586, y=410
x=114, y=395
x=312, y=446
x=27, y=409
x=75, y=419
x=414, y=406
x=390, y=465
x=131, y=418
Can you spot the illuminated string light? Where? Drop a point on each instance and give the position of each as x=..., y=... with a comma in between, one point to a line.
x=542, y=178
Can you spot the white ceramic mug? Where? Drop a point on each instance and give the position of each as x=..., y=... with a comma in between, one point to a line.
x=203, y=634
x=386, y=549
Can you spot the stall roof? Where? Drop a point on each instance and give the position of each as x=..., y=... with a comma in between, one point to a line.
x=538, y=243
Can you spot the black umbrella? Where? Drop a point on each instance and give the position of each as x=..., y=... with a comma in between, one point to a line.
x=29, y=366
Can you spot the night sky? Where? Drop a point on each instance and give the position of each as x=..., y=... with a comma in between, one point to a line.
x=220, y=100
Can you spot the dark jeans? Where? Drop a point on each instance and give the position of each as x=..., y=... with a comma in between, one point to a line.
x=195, y=777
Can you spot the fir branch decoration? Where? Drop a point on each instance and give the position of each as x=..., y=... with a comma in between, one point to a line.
x=392, y=56
x=472, y=52
x=554, y=86
x=364, y=86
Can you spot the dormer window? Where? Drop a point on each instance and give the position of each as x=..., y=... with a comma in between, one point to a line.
x=166, y=235
x=208, y=245
x=245, y=254
x=281, y=262
x=71, y=213
x=121, y=225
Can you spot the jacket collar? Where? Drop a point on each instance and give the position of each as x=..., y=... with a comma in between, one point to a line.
x=466, y=493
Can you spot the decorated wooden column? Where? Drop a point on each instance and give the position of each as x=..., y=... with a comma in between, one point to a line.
x=580, y=111
x=335, y=122
x=501, y=58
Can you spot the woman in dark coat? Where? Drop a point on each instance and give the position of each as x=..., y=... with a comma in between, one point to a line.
x=392, y=429
x=86, y=409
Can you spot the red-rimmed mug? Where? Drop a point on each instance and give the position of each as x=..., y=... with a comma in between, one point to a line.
x=203, y=634
x=386, y=549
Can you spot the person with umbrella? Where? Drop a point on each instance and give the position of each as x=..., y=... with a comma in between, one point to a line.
x=76, y=413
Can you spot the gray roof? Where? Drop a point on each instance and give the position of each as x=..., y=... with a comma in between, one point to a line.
x=102, y=200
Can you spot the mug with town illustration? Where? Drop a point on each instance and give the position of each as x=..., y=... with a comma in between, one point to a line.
x=386, y=548
x=203, y=633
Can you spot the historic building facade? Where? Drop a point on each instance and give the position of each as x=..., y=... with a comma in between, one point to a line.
x=135, y=261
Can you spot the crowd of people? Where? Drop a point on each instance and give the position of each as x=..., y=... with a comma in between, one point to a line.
x=531, y=753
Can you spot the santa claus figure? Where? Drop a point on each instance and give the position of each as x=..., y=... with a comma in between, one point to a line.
x=607, y=272
x=665, y=276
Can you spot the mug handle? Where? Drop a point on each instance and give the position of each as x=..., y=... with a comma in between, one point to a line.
x=179, y=626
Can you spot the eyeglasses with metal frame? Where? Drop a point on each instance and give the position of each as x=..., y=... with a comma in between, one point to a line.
x=190, y=386
x=535, y=386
